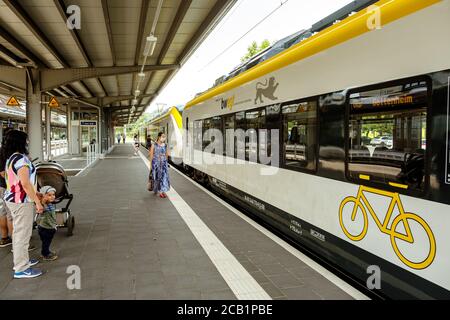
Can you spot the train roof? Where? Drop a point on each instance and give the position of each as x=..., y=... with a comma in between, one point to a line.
x=295, y=38
x=172, y=111
x=341, y=26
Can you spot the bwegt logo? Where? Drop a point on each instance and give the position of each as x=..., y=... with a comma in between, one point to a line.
x=236, y=147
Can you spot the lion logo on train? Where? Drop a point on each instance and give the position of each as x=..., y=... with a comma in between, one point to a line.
x=266, y=89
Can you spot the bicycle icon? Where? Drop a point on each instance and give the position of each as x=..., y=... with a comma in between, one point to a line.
x=362, y=203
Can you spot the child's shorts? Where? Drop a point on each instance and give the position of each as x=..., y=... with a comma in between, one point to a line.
x=4, y=211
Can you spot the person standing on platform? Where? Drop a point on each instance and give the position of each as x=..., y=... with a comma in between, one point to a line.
x=136, y=145
x=47, y=222
x=148, y=143
x=5, y=215
x=159, y=155
x=123, y=137
x=20, y=198
x=119, y=137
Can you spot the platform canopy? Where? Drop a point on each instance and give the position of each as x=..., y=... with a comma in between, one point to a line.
x=99, y=63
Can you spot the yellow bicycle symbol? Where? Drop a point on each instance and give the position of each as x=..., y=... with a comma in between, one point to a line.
x=362, y=203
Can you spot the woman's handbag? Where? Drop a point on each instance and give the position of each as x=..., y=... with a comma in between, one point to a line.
x=150, y=184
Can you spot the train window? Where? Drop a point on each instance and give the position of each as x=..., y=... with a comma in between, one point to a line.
x=255, y=120
x=265, y=134
x=198, y=127
x=241, y=128
x=229, y=126
x=206, y=137
x=214, y=133
x=300, y=135
x=387, y=135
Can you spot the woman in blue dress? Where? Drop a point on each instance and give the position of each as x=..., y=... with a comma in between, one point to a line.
x=159, y=155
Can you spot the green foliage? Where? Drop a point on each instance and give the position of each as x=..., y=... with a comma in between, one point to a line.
x=254, y=49
x=373, y=130
x=140, y=123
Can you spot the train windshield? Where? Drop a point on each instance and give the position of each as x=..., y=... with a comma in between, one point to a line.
x=388, y=135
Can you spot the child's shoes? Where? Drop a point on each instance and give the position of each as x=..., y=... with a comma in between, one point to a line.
x=51, y=257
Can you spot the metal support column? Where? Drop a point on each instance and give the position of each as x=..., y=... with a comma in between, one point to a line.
x=48, y=128
x=34, y=113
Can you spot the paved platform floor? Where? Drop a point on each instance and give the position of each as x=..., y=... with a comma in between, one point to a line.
x=71, y=162
x=130, y=244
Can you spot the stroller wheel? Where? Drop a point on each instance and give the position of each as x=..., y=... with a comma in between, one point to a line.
x=70, y=225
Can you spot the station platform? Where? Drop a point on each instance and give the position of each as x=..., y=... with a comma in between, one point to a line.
x=72, y=164
x=130, y=244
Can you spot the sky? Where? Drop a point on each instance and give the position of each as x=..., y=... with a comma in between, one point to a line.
x=210, y=61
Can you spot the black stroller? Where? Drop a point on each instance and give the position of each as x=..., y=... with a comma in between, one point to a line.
x=52, y=174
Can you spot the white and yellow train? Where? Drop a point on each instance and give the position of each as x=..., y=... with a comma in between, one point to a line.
x=355, y=122
x=170, y=123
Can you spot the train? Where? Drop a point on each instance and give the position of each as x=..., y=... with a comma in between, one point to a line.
x=169, y=123
x=341, y=143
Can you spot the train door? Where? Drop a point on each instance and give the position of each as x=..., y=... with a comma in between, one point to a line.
x=88, y=134
x=75, y=137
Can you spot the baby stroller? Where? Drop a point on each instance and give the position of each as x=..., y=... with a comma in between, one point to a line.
x=52, y=174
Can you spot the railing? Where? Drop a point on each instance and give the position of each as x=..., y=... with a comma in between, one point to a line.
x=58, y=148
x=92, y=153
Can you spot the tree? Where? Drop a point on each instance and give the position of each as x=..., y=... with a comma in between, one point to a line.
x=140, y=123
x=254, y=49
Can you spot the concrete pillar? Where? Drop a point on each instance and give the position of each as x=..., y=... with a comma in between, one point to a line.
x=110, y=130
x=48, y=128
x=107, y=128
x=34, y=113
x=69, y=129
x=99, y=130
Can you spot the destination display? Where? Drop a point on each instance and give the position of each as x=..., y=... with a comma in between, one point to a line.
x=405, y=95
x=447, y=158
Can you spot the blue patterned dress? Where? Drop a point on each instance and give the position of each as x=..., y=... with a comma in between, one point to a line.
x=160, y=169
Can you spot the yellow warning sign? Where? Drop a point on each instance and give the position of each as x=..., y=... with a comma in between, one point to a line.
x=53, y=103
x=13, y=102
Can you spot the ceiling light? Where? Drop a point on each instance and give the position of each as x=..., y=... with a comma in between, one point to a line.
x=150, y=45
x=137, y=92
x=141, y=75
x=134, y=102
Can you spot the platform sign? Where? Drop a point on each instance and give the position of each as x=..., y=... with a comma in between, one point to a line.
x=13, y=102
x=447, y=150
x=88, y=123
x=53, y=103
